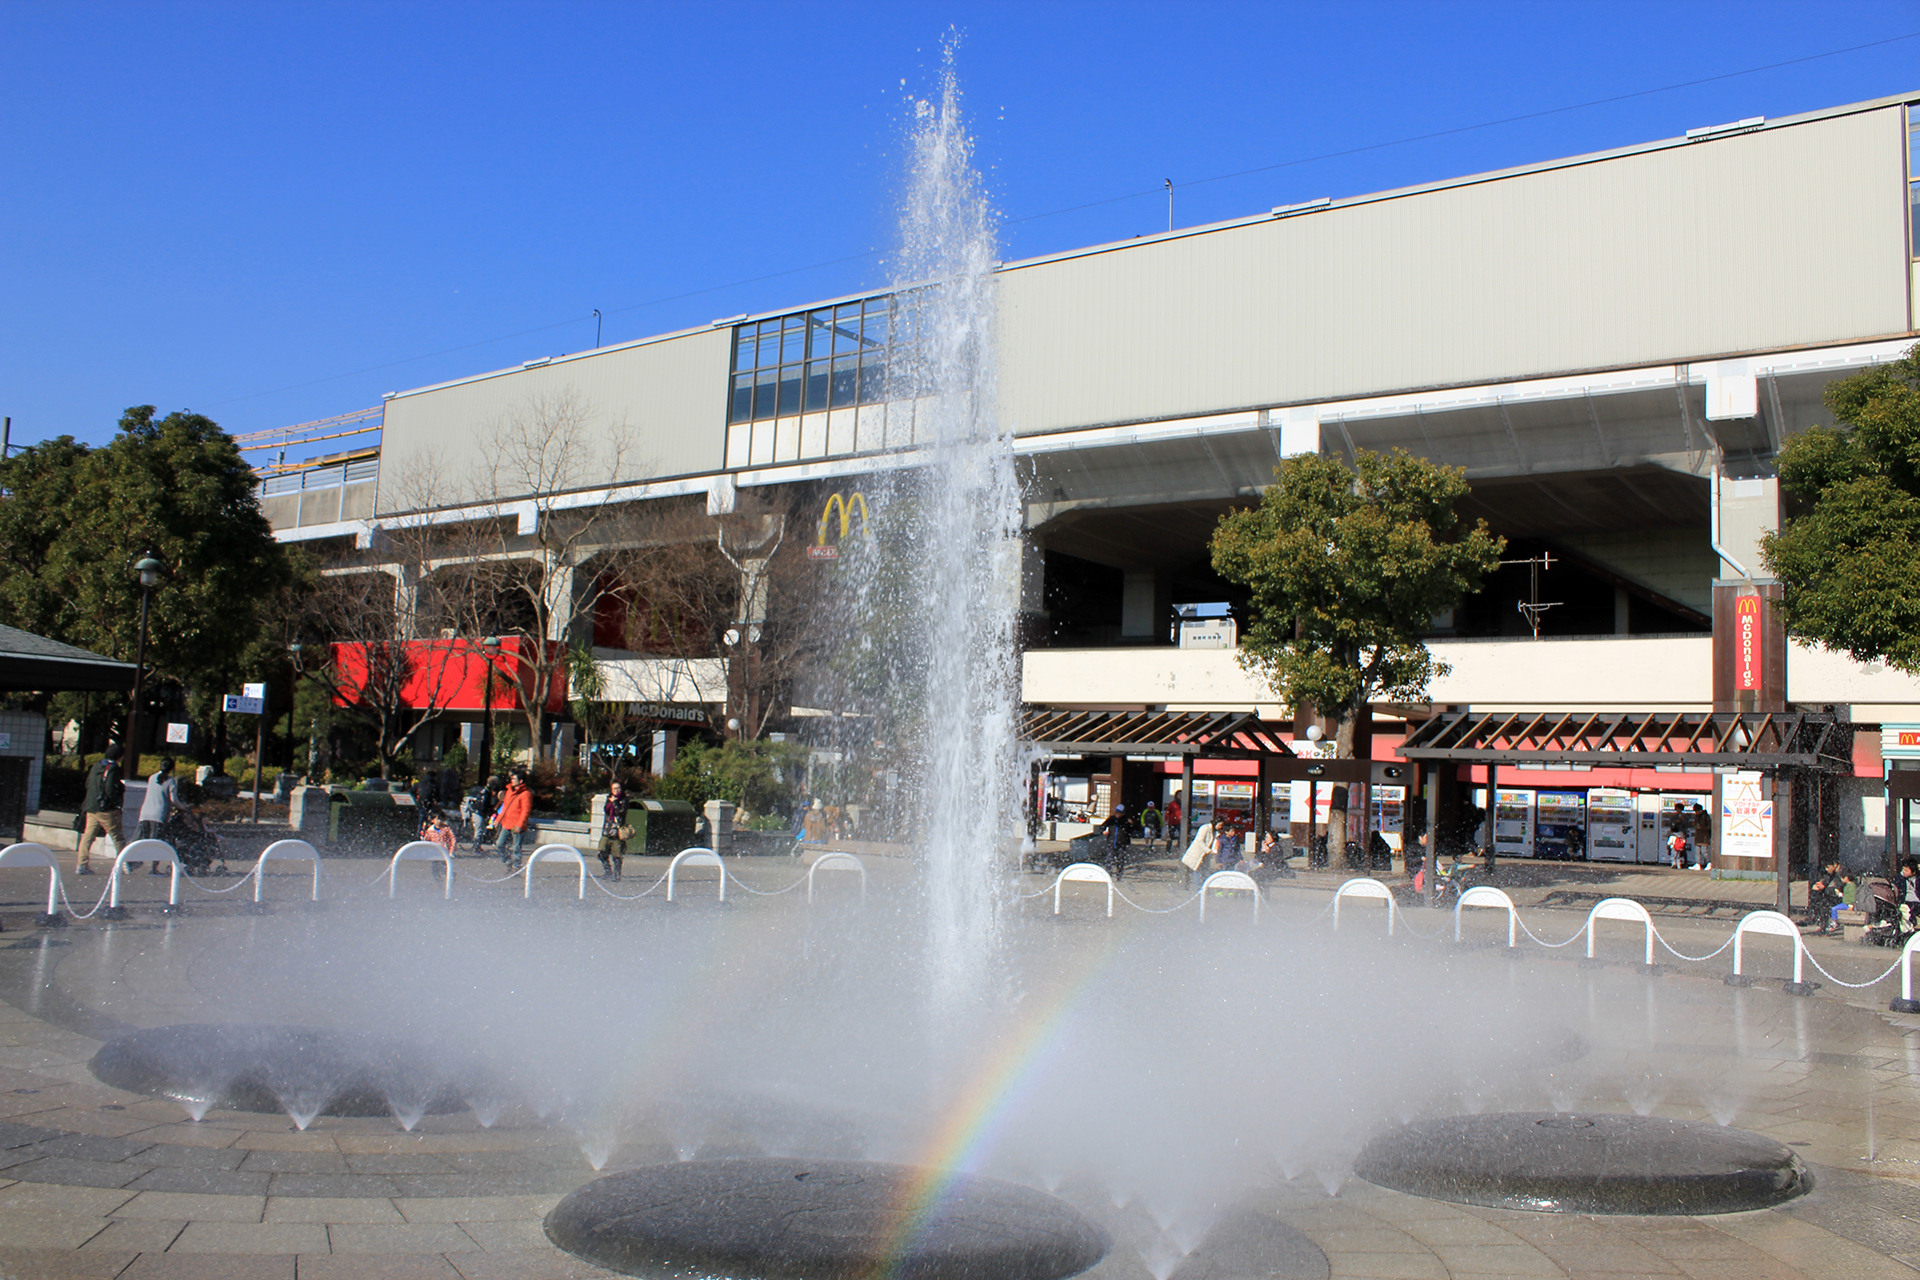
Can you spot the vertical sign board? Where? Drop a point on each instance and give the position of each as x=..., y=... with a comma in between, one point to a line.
x=1746, y=819
x=1748, y=644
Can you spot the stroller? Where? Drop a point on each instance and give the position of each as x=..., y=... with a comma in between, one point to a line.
x=195, y=846
x=1890, y=922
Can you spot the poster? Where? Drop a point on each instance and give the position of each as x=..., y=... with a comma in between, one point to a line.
x=1746, y=816
x=1297, y=802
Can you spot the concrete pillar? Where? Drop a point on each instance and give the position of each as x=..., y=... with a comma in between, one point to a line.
x=1622, y=610
x=1146, y=604
x=406, y=600
x=558, y=592
x=666, y=744
x=1749, y=510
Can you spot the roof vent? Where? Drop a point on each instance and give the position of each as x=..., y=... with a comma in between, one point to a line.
x=1722, y=130
x=535, y=364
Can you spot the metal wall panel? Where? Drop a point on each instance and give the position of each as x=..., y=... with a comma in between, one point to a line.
x=668, y=399
x=1767, y=239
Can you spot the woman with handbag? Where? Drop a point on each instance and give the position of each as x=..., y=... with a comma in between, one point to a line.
x=614, y=831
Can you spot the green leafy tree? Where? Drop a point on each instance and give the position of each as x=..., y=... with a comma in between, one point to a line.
x=751, y=773
x=1347, y=568
x=76, y=518
x=1850, y=558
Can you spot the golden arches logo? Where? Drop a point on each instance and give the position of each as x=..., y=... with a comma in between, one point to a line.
x=824, y=550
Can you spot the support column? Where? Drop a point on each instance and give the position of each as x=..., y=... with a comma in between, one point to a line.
x=1430, y=780
x=1146, y=607
x=557, y=590
x=1782, y=842
x=1493, y=807
x=406, y=600
x=1186, y=801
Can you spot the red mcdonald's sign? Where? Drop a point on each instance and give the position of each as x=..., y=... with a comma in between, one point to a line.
x=1748, y=643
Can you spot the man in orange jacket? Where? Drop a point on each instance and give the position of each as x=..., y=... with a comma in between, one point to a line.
x=516, y=807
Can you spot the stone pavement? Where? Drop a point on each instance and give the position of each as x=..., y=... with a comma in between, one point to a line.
x=97, y=1182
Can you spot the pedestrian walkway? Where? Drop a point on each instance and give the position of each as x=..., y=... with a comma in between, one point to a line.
x=97, y=1182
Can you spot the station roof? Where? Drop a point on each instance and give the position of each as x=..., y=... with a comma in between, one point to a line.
x=35, y=663
x=1741, y=740
x=1174, y=733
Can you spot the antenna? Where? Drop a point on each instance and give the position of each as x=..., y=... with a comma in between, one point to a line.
x=1169, y=204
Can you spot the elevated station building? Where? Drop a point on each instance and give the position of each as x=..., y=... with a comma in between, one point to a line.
x=1614, y=346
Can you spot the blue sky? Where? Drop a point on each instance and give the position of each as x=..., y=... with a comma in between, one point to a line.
x=274, y=212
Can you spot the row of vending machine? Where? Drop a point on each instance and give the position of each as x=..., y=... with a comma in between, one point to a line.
x=1600, y=824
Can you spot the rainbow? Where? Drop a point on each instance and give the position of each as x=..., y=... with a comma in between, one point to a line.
x=987, y=1105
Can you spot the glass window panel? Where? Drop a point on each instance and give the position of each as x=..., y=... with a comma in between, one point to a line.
x=744, y=339
x=846, y=381
x=790, y=389
x=816, y=386
x=1913, y=213
x=741, y=407
x=875, y=323
x=793, y=340
x=766, y=394
x=873, y=380
x=819, y=334
x=768, y=354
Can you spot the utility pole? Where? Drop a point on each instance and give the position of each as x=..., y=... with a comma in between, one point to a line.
x=597, y=320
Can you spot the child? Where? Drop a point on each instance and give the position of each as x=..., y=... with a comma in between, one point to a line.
x=438, y=832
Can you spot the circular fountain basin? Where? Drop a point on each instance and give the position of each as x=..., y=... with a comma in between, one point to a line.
x=299, y=1071
x=1573, y=1163
x=793, y=1219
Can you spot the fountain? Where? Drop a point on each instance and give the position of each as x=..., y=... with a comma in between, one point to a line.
x=888, y=1091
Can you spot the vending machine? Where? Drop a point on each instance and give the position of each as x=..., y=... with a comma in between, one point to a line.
x=1390, y=815
x=1560, y=825
x=1612, y=833
x=1650, y=833
x=1513, y=816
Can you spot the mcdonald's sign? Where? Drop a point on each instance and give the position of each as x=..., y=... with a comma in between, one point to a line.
x=825, y=550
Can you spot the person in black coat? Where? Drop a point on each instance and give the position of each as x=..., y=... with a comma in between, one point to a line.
x=1826, y=892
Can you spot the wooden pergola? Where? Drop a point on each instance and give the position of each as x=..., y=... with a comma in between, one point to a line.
x=1189, y=735
x=1777, y=744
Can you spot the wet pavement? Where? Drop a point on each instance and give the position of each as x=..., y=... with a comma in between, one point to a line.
x=98, y=1181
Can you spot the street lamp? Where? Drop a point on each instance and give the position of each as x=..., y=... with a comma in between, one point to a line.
x=147, y=569
x=491, y=645
x=299, y=669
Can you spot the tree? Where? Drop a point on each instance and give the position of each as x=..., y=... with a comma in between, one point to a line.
x=522, y=570
x=1347, y=569
x=76, y=518
x=378, y=672
x=1849, y=561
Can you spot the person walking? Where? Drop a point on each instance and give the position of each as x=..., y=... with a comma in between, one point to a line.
x=1172, y=820
x=1150, y=825
x=158, y=804
x=614, y=831
x=516, y=807
x=1114, y=841
x=106, y=796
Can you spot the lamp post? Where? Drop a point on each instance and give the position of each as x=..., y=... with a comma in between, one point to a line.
x=490, y=650
x=148, y=571
x=299, y=669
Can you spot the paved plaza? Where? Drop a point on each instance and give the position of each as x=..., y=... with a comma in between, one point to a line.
x=97, y=1182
